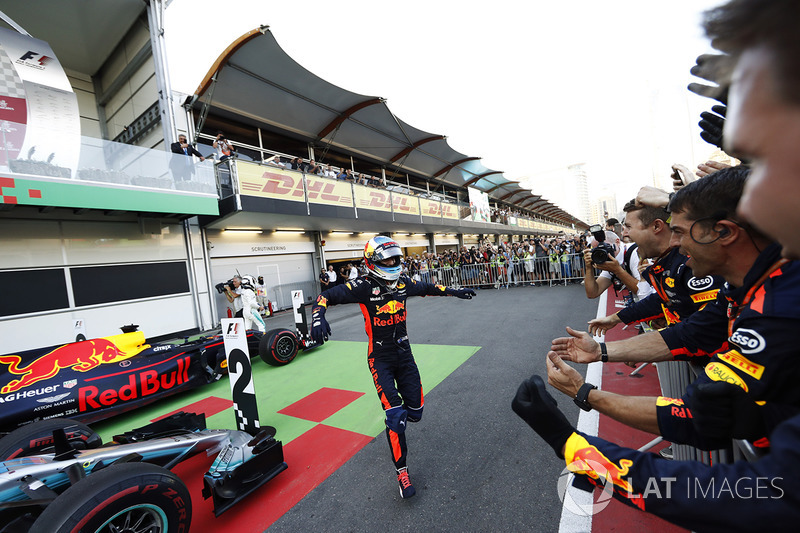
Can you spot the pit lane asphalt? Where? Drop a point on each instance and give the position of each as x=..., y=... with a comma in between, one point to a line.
x=476, y=466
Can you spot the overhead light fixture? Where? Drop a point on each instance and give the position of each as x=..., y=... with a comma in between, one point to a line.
x=244, y=230
x=292, y=231
x=337, y=232
x=367, y=232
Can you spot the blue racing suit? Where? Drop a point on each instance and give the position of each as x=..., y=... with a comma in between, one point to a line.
x=756, y=350
x=677, y=294
x=389, y=356
x=724, y=497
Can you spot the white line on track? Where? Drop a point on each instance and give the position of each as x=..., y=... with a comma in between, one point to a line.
x=587, y=423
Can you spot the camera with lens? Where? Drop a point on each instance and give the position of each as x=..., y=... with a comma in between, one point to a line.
x=537, y=240
x=602, y=253
x=221, y=286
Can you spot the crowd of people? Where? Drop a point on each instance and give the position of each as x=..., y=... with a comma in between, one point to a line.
x=536, y=261
x=327, y=171
x=724, y=252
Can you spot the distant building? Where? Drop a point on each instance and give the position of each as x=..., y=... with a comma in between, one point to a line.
x=565, y=187
x=604, y=207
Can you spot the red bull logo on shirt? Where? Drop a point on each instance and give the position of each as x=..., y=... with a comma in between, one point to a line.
x=391, y=307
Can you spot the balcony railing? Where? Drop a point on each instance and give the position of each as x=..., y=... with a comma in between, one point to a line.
x=99, y=161
x=271, y=182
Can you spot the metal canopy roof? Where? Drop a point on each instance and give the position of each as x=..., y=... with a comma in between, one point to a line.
x=255, y=79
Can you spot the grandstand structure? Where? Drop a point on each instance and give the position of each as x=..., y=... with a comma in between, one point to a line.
x=96, y=218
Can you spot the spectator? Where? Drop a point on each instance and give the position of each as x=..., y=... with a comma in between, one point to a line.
x=274, y=161
x=424, y=269
x=183, y=168
x=324, y=280
x=299, y=165
x=223, y=147
x=261, y=295
x=331, y=275
x=353, y=273
x=329, y=172
x=342, y=175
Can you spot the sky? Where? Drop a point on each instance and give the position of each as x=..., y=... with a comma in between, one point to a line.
x=531, y=87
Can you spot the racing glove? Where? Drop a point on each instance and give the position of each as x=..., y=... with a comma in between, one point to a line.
x=464, y=294
x=723, y=410
x=712, y=123
x=320, y=329
x=539, y=409
x=711, y=67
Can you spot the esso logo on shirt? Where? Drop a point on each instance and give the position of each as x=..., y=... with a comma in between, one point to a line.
x=748, y=340
x=699, y=284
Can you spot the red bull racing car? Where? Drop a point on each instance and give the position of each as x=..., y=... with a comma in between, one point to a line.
x=95, y=379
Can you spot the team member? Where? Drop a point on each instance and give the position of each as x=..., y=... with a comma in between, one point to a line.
x=678, y=292
x=752, y=348
x=382, y=295
x=763, y=123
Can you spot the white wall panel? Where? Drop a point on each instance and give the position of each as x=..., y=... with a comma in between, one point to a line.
x=30, y=243
x=155, y=317
x=103, y=242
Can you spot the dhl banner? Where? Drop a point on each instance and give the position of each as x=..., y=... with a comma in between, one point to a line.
x=430, y=208
x=374, y=199
x=405, y=204
x=268, y=182
x=449, y=211
x=329, y=191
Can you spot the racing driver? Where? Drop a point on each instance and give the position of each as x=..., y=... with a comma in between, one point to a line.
x=382, y=294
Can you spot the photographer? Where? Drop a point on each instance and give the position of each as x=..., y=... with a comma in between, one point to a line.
x=678, y=293
x=540, y=260
x=223, y=147
x=233, y=293
x=625, y=267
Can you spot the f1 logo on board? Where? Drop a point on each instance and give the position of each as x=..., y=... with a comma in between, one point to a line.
x=34, y=59
x=749, y=341
x=699, y=284
x=233, y=328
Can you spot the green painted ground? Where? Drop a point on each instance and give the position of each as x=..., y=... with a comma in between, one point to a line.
x=338, y=365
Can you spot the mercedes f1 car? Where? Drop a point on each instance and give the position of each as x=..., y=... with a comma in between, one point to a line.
x=56, y=476
x=98, y=378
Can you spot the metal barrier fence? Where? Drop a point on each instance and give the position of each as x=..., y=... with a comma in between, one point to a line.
x=281, y=295
x=562, y=269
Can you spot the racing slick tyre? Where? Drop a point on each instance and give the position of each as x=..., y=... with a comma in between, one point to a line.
x=124, y=497
x=278, y=347
x=37, y=438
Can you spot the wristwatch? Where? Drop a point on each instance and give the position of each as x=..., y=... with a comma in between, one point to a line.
x=581, y=399
x=603, y=352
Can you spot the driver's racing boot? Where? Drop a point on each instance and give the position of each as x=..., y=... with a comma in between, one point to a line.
x=406, y=488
